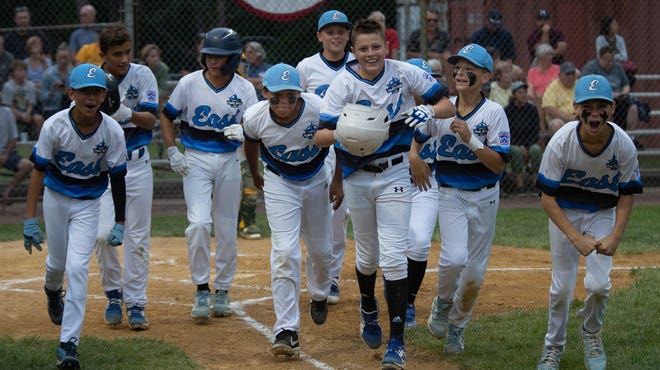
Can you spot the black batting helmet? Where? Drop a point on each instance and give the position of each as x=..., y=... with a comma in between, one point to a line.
x=112, y=99
x=223, y=41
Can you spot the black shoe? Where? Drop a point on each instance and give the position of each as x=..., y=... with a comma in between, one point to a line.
x=67, y=355
x=55, y=305
x=318, y=310
x=286, y=344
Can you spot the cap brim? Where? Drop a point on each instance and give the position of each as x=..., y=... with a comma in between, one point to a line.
x=345, y=24
x=454, y=59
x=82, y=86
x=595, y=97
x=278, y=88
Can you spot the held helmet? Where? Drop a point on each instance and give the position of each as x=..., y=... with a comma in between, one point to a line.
x=361, y=130
x=223, y=41
x=112, y=99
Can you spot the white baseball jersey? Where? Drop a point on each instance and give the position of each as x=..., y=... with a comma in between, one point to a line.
x=580, y=180
x=287, y=150
x=456, y=165
x=316, y=72
x=138, y=90
x=387, y=91
x=205, y=111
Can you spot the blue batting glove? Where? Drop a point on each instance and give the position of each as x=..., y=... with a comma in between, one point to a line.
x=32, y=235
x=116, y=236
x=419, y=116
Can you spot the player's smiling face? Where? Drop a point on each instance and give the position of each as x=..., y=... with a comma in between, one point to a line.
x=334, y=38
x=88, y=99
x=117, y=59
x=468, y=76
x=215, y=62
x=283, y=104
x=594, y=114
x=370, y=51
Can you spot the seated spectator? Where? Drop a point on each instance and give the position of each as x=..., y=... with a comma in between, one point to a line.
x=16, y=40
x=438, y=44
x=609, y=35
x=9, y=159
x=37, y=62
x=86, y=34
x=391, y=36
x=437, y=71
x=540, y=76
x=255, y=65
x=546, y=33
x=524, y=127
x=5, y=61
x=496, y=36
x=625, y=112
x=558, y=98
x=500, y=89
x=54, y=83
x=20, y=96
x=89, y=53
x=193, y=59
x=150, y=56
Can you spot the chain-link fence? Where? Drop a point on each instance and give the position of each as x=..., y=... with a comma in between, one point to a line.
x=286, y=30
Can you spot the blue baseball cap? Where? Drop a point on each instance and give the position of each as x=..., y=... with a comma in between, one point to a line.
x=593, y=87
x=476, y=55
x=86, y=75
x=334, y=17
x=421, y=63
x=282, y=77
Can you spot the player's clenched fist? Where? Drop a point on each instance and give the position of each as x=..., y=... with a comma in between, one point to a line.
x=116, y=236
x=32, y=235
x=234, y=132
x=177, y=161
x=419, y=116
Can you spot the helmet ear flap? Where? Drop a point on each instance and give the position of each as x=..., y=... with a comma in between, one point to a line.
x=231, y=65
x=203, y=60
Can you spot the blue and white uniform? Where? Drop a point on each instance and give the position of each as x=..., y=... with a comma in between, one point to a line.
x=76, y=170
x=138, y=90
x=296, y=196
x=212, y=186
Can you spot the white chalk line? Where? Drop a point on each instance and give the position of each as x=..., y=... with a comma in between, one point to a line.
x=506, y=269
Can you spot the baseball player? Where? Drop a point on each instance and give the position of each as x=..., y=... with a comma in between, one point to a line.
x=211, y=103
x=78, y=150
x=377, y=186
x=588, y=175
x=296, y=191
x=316, y=73
x=472, y=150
x=136, y=113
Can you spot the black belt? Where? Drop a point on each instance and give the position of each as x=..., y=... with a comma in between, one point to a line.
x=473, y=190
x=271, y=169
x=378, y=168
x=141, y=152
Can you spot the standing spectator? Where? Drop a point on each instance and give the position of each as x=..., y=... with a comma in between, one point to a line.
x=150, y=57
x=588, y=177
x=540, y=76
x=391, y=35
x=557, y=102
x=609, y=36
x=89, y=53
x=6, y=58
x=496, y=36
x=437, y=71
x=55, y=82
x=525, y=128
x=500, y=89
x=137, y=112
x=193, y=58
x=20, y=96
x=37, y=62
x=211, y=134
x=9, y=159
x=16, y=40
x=546, y=33
x=86, y=34
x=438, y=44
x=625, y=113
x=255, y=65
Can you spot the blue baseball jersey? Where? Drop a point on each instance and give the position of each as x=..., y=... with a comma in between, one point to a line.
x=582, y=180
x=78, y=165
x=138, y=90
x=205, y=111
x=393, y=91
x=287, y=150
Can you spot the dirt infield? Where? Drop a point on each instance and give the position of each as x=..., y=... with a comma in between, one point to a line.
x=242, y=340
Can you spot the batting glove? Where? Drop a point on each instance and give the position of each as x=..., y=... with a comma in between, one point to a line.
x=177, y=161
x=419, y=116
x=234, y=132
x=122, y=114
x=116, y=236
x=32, y=235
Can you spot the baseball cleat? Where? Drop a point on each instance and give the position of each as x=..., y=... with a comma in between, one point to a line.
x=318, y=310
x=67, y=355
x=370, y=329
x=201, y=310
x=410, y=316
x=395, y=355
x=333, y=296
x=221, y=304
x=136, y=318
x=55, y=305
x=455, y=340
x=113, y=311
x=439, y=319
x=286, y=344
x=550, y=358
x=594, y=353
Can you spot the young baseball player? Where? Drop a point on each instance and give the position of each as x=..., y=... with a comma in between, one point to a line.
x=78, y=150
x=588, y=175
x=316, y=73
x=296, y=192
x=377, y=185
x=472, y=149
x=138, y=91
x=211, y=103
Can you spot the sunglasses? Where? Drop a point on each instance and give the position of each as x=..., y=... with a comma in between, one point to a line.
x=432, y=20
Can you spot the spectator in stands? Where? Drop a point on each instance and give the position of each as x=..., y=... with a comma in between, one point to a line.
x=89, y=53
x=436, y=71
x=625, y=113
x=391, y=36
x=255, y=65
x=609, y=35
x=16, y=40
x=540, y=76
x=55, y=81
x=37, y=62
x=438, y=45
x=557, y=102
x=525, y=127
x=546, y=33
x=150, y=57
x=193, y=59
x=5, y=61
x=9, y=159
x=86, y=34
x=493, y=34
x=500, y=89
x=20, y=96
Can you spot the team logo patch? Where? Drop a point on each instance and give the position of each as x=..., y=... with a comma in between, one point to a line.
x=151, y=95
x=310, y=131
x=504, y=137
x=101, y=148
x=394, y=85
x=612, y=164
x=131, y=93
x=481, y=129
x=234, y=101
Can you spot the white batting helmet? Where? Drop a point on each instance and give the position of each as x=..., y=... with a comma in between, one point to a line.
x=361, y=130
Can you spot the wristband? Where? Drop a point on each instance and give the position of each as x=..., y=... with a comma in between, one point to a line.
x=475, y=144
